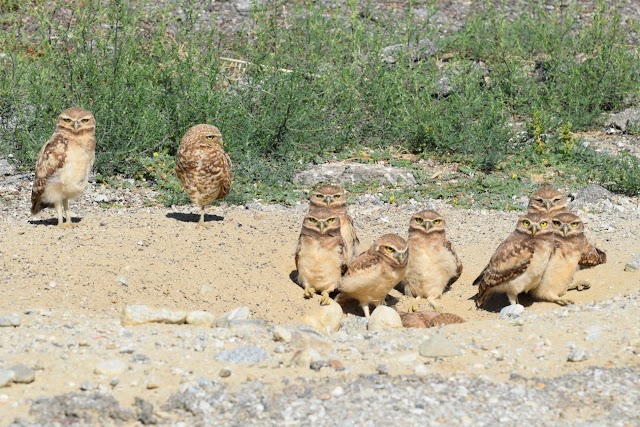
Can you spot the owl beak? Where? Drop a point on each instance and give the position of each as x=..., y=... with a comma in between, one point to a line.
x=322, y=226
x=547, y=204
x=564, y=229
x=327, y=200
x=427, y=225
x=76, y=125
x=402, y=256
x=534, y=229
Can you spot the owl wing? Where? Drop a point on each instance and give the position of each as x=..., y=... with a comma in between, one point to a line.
x=511, y=259
x=227, y=177
x=359, y=272
x=591, y=257
x=448, y=246
x=50, y=160
x=341, y=250
x=354, y=238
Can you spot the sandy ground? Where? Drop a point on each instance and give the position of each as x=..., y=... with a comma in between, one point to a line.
x=70, y=286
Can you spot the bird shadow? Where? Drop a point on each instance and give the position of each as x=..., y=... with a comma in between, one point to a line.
x=191, y=217
x=499, y=301
x=50, y=222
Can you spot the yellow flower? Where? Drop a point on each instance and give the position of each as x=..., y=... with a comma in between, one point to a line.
x=156, y=154
x=514, y=175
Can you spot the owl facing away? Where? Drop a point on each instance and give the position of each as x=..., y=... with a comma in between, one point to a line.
x=333, y=197
x=547, y=200
x=320, y=258
x=373, y=273
x=64, y=163
x=433, y=263
x=203, y=167
x=520, y=260
x=572, y=250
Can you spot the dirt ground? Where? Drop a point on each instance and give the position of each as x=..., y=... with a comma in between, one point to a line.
x=71, y=285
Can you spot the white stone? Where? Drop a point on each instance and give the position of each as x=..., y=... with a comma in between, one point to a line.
x=110, y=367
x=202, y=318
x=383, y=318
x=139, y=314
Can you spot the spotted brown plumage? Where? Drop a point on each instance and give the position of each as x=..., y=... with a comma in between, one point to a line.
x=203, y=167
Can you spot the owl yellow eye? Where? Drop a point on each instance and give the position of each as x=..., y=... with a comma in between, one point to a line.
x=574, y=224
x=84, y=120
x=419, y=220
x=437, y=221
x=313, y=220
x=389, y=249
x=336, y=196
x=557, y=223
x=319, y=196
x=526, y=223
x=330, y=220
x=66, y=120
x=543, y=223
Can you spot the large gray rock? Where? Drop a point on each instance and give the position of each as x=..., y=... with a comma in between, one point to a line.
x=625, y=120
x=592, y=193
x=6, y=168
x=420, y=51
x=354, y=173
x=633, y=264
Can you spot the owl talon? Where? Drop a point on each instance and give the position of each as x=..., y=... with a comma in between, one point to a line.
x=308, y=293
x=325, y=299
x=563, y=302
x=580, y=286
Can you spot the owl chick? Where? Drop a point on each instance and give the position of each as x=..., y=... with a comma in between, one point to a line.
x=320, y=257
x=520, y=260
x=64, y=163
x=572, y=249
x=203, y=167
x=333, y=197
x=433, y=264
x=373, y=273
x=547, y=200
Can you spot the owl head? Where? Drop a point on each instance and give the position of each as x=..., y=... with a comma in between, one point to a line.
x=567, y=224
x=535, y=224
x=547, y=199
x=322, y=221
x=427, y=221
x=392, y=248
x=76, y=120
x=328, y=196
x=204, y=133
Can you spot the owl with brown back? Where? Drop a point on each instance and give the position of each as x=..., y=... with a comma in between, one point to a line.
x=433, y=263
x=64, y=164
x=203, y=167
x=333, y=197
x=572, y=250
x=374, y=273
x=519, y=262
x=320, y=258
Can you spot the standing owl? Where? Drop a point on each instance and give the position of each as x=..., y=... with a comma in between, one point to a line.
x=520, y=260
x=320, y=254
x=373, y=273
x=572, y=250
x=433, y=264
x=333, y=197
x=547, y=200
x=203, y=167
x=64, y=163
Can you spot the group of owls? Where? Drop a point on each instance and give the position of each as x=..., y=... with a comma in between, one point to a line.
x=65, y=161
x=540, y=257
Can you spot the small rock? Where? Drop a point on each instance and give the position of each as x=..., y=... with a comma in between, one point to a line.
x=577, y=355
x=304, y=358
x=139, y=314
x=201, y=318
x=23, y=374
x=632, y=265
x=511, y=311
x=122, y=280
x=110, y=367
x=336, y=364
x=326, y=318
x=246, y=354
x=438, y=346
x=383, y=318
x=382, y=369
x=10, y=320
x=6, y=377
x=625, y=119
x=414, y=52
x=6, y=168
x=282, y=334
x=86, y=386
x=152, y=383
x=316, y=365
x=224, y=373
x=240, y=313
x=421, y=370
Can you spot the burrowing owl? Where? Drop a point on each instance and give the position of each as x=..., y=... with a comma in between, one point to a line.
x=203, y=167
x=64, y=163
x=519, y=262
x=333, y=197
x=320, y=257
x=373, y=273
x=572, y=249
x=547, y=200
x=433, y=264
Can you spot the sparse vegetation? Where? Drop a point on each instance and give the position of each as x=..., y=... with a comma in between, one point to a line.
x=314, y=87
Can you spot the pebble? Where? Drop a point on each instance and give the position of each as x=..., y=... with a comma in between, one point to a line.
x=577, y=355
x=384, y=318
x=316, y=365
x=240, y=313
x=86, y=386
x=304, y=358
x=282, y=334
x=244, y=354
x=110, y=367
x=421, y=370
x=511, y=311
x=6, y=377
x=140, y=314
x=23, y=374
x=382, y=369
x=200, y=318
x=224, y=373
x=633, y=264
x=10, y=320
x=438, y=346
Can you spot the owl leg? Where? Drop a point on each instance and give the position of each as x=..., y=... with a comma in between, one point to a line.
x=513, y=298
x=415, y=305
x=580, y=285
x=325, y=300
x=67, y=212
x=61, y=221
x=432, y=303
x=309, y=292
x=201, y=222
x=365, y=308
